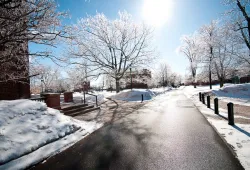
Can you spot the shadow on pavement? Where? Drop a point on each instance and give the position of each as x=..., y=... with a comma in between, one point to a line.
x=107, y=147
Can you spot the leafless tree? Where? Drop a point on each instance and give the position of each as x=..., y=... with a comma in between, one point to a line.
x=111, y=46
x=49, y=77
x=192, y=50
x=77, y=75
x=165, y=73
x=23, y=22
x=225, y=62
x=239, y=18
x=208, y=35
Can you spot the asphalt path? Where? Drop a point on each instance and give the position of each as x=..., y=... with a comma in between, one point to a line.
x=166, y=133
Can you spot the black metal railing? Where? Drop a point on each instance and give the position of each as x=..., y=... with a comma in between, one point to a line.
x=39, y=99
x=84, y=98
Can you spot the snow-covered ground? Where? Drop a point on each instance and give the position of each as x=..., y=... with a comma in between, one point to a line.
x=190, y=90
x=31, y=132
x=238, y=136
x=236, y=93
x=101, y=96
x=136, y=94
x=126, y=95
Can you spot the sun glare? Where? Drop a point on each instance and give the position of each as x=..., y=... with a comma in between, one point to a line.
x=157, y=12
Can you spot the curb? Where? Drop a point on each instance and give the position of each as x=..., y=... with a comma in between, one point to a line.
x=223, y=139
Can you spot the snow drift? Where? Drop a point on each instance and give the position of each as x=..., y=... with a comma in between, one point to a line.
x=240, y=91
x=136, y=94
x=89, y=98
x=26, y=126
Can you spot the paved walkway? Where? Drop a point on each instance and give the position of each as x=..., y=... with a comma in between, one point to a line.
x=167, y=133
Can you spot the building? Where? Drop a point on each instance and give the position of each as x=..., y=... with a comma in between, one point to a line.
x=140, y=79
x=19, y=87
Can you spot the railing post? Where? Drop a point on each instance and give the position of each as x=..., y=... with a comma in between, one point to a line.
x=216, y=106
x=230, y=108
x=200, y=96
x=203, y=98
x=84, y=97
x=141, y=97
x=208, y=101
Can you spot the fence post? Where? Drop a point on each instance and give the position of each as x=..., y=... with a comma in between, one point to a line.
x=141, y=97
x=84, y=97
x=203, y=98
x=230, y=107
x=200, y=96
x=216, y=106
x=208, y=101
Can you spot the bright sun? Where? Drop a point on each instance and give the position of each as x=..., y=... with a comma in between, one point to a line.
x=157, y=12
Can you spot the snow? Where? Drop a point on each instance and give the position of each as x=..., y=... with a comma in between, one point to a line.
x=126, y=95
x=77, y=94
x=31, y=132
x=236, y=93
x=101, y=96
x=136, y=94
x=190, y=90
x=237, y=136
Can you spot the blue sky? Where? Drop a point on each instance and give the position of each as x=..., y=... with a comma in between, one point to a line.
x=185, y=16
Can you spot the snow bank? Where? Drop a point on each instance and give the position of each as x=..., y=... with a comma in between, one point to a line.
x=190, y=90
x=89, y=98
x=136, y=94
x=27, y=126
x=161, y=90
x=238, y=93
x=77, y=94
x=126, y=95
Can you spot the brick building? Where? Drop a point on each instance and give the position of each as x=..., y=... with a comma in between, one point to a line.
x=19, y=87
x=140, y=79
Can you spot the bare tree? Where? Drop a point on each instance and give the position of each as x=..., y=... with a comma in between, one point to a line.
x=77, y=76
x=111, y=46
x=224, y=58
x=49, y=77
x=23, y=22
x=208, y=35
x=239, y=18
x=191, y=48
x=165, y=73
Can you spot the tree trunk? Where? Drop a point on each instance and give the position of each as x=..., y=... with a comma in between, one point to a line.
x=117, y=85
x=221, y=82
x=210, y=78
x=210, y=63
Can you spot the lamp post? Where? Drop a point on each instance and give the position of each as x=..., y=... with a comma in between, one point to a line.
x=131, y=77
x=42, y=81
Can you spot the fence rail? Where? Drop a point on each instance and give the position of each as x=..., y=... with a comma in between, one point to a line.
x=39, y=99
x=84, y=98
